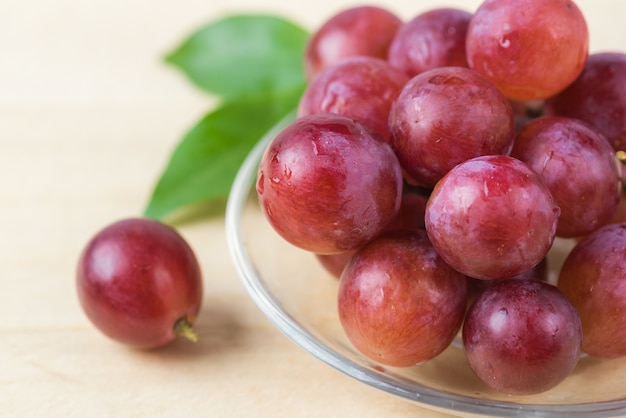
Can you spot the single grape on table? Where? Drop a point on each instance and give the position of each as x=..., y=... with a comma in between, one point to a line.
x=139, y=282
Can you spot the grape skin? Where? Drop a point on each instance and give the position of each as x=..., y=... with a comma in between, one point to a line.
x=433, y=39
x=361, y=30
x=361, y=87
x=593, y=277
x=399, y=303
x=530, y=49
x=329, y=184
x=491, y=217
x=598, y=97
x=522, y=336
x=445, y=116
x=136, y=279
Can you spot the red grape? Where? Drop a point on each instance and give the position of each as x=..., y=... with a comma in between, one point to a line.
x=361, y=30
x=522, y=336
x=399, y=303
x=579, y=167
x=139, y=283
x=593, y=277
x=597, y=97
x=530, y=49
x=359, y=87
x=491, y=217
x=432, y=39
x=328, y=183
x=445, y=116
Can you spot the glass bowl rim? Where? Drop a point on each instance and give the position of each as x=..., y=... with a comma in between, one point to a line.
x=422, y=395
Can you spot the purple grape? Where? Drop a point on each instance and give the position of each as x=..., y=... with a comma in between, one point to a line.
x=491, y=217
x=329, y=184
x=432, y=39
x=399, y=303
x=361, y=87
x=445, y=116
x=522, y=336
x=360, y=30
x=598, y=97
x=593, y=277
x=579, y=167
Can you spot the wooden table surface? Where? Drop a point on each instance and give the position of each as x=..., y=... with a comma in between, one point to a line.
x=88, y=116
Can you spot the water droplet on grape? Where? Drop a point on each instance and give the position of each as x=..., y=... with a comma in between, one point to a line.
x=498, y=321
x=315, y=150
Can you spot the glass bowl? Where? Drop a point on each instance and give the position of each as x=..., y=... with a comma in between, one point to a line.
x=299, y=297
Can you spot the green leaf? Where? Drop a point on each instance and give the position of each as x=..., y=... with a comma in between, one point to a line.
x=204, y=164
x=244, y=55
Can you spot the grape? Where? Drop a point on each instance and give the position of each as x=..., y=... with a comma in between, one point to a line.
x=361, y=30
x=359, y=87
x=530, y=49
x=593, y=277
x=579, y=167
x=432, y=39
x=328, y=183
x=522, y=336
x=445, y=116
x=491, y=217
x=139, y=283
x=399, y=303
x=597, y=97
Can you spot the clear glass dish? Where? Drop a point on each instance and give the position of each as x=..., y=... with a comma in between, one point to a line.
x=299, y=298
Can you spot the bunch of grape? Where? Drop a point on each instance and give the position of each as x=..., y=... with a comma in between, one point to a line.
x=432, y=166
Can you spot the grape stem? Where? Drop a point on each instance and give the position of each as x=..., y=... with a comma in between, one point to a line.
x=184, y=328
x=621, y=155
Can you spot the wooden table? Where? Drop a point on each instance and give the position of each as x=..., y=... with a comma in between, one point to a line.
x=88, y=116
